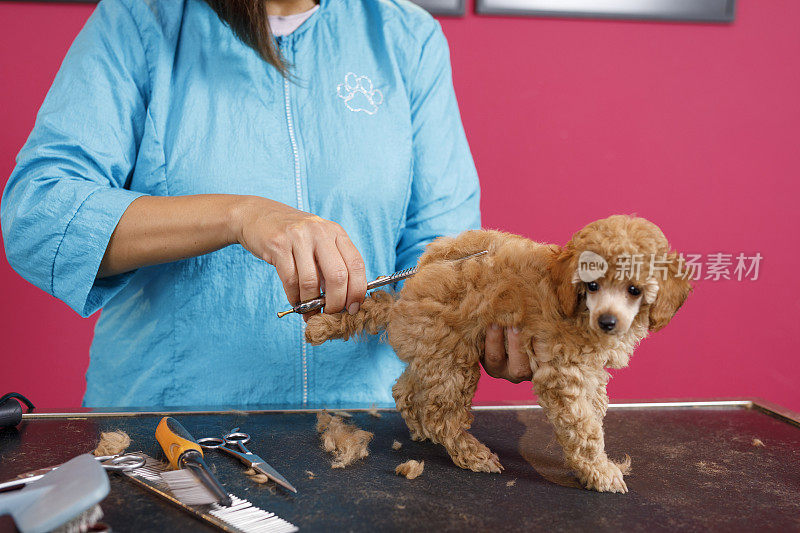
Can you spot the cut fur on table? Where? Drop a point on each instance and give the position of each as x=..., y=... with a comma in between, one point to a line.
x=256, y=476
x=571, y=328
x=344, y=440
x=112, y=443
x=410, y=469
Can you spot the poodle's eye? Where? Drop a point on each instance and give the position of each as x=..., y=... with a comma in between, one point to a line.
x=592, y=286
x=634, y=290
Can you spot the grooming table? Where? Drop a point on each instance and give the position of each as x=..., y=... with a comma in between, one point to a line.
x=695, y=467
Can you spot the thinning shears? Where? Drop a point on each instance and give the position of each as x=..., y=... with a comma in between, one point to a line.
x=318, y=303
x=233, y=444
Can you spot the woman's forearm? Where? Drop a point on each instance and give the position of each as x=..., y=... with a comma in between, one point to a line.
x=305, y=249
x=160, y=229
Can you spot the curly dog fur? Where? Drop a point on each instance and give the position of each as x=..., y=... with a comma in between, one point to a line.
x=437, y=324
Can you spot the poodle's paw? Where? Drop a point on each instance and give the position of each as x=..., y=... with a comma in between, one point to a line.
x=481, y=461
x=322, y=327
x=607, y=477
x=490, y=464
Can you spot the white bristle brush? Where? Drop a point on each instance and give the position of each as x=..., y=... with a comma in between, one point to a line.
x=65, y=499
x=185, y=486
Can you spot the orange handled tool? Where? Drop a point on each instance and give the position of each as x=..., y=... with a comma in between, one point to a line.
x=175, y=440
x=182, y=451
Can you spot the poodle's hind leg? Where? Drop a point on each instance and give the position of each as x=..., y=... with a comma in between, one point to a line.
x=444, y=397
x=403, y=392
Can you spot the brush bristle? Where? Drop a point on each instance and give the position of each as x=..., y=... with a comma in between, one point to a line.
x=241, y=516
x=82, y=522
x=187, y=488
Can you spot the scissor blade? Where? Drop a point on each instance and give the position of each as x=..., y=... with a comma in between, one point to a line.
x=273, y=474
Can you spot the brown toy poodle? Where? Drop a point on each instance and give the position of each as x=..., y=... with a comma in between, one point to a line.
x=577, y=314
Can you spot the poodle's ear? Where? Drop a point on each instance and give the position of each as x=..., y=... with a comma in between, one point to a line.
x=564, y=273
x=672, y=292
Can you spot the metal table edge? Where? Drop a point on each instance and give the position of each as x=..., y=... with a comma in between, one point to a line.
x=761, y=405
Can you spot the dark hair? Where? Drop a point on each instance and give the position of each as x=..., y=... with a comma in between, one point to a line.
x=248, y=20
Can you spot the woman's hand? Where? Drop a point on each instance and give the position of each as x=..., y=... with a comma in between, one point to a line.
x=308, y=252
x=512, y=365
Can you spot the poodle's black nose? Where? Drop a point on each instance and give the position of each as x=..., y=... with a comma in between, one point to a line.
x=607, y=322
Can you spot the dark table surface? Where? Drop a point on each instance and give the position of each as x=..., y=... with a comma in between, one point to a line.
x=694, y=469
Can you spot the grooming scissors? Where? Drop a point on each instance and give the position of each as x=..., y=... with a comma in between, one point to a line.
x=238, y=440
x=113, y=463
x=316, y=303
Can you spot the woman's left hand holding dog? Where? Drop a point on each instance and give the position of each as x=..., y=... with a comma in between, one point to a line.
x=512, y=364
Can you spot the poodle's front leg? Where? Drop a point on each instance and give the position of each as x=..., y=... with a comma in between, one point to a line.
x=574, y=399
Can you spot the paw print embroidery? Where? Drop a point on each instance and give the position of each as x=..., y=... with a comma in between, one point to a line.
x=359, y=95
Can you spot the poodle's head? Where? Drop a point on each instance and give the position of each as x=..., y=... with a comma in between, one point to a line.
x=620, y=270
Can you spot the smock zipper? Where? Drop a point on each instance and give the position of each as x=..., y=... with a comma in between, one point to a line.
x=284, y=41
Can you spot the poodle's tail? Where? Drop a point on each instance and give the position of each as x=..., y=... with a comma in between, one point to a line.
x=372, y=317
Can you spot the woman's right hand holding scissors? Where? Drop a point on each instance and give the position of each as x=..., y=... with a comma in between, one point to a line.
x=309, y=252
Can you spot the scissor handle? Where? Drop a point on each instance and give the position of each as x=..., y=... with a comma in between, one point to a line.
x=121, y=463
x=237, y=437
x=211, y=443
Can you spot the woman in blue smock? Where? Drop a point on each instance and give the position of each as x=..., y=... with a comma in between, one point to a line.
x=183, y=149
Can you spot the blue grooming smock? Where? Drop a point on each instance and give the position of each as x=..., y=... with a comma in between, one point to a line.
x=161, y=98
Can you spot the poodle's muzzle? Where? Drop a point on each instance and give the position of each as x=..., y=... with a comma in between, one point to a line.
x=607, y=322
x=612, y=305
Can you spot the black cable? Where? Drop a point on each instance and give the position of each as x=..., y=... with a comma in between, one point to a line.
x=19, y=397
x=11, y=411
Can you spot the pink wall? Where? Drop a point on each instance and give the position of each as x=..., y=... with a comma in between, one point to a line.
x=693, y=126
